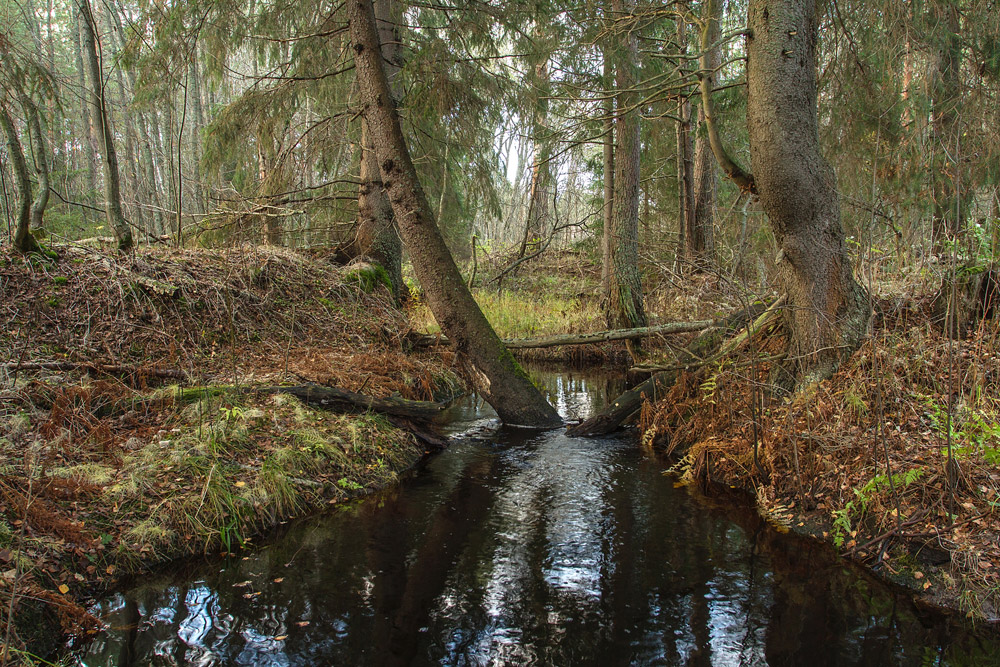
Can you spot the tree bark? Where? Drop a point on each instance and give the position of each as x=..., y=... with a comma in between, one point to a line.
x=609, y=174
x=41, y=161
x=112, y=180
x=798, y=189
x=732, y=169
x=377, y=235
x=494, y=371
x=625, y=306
x=24, y=242
x=701, y=238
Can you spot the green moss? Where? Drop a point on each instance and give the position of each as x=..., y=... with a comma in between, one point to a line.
x=60, y=280
x=369, y=276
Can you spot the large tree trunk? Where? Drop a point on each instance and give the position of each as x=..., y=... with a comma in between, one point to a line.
x=609, y=174
x=495, y=372
x=41, y=160
x=701, y=240
x=23, y=240
x=377, y=235
x=798, y=190
x=624, y=309
x=112, y=180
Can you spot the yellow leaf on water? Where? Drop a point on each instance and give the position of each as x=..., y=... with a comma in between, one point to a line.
x=281, y=638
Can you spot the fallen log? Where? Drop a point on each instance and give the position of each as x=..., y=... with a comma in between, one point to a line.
x=429, y=340
x=337, y=397
x=95, y=367
x=698, y=353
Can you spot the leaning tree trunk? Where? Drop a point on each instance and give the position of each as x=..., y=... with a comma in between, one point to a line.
x=23, y=240
x=624, y=308
x=494, y=371
x=112, y=179
x=377, y=235
x=798, y=189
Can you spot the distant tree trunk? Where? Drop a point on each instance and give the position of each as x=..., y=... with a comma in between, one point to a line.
x=90, y=136
x=198, y=123
x=494, y=371
x=112, y=182
x=377, y=235
x=132, y=177
x=24, y=242
x=625, y=308
x=949, y=216
x=685, y=180
x=685, y=175
x=609, y=174
x=537, y=219
x=40, y=159
x=798, y=189
x=701, y=238
x=156, y=158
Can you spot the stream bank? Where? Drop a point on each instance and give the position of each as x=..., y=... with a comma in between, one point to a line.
x=109, y=470
x=514, y=547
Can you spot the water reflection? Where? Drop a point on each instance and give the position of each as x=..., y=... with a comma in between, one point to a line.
x=521, y=549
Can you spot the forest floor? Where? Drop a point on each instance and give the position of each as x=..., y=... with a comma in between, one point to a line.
x=107, y=466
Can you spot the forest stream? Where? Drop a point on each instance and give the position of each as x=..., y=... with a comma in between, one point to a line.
x=516, y=547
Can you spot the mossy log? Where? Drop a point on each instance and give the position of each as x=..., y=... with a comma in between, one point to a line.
x=697, y=354
x=337, y=398
x=95, y=368
x=429, y=340
x=332, y=398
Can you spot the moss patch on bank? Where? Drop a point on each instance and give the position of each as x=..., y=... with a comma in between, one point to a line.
x=105, y=473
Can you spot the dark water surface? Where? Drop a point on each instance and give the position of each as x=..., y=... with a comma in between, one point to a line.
x=521, y=548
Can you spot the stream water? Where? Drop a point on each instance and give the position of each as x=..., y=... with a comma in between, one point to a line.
x=520, y=548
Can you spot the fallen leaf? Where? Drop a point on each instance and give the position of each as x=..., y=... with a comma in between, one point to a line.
x=918, y=575
x=302, y=624
x=279, y=580
x=64, y=589
x=281, y=638
x=240, y=484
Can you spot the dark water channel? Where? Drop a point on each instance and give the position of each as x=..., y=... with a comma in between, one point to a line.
x=519, y=548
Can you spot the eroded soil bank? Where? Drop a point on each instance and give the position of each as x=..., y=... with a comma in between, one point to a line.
x=895, y=461
x=109, y=466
